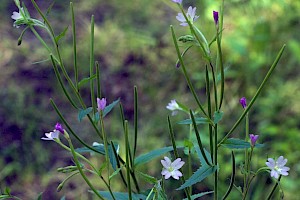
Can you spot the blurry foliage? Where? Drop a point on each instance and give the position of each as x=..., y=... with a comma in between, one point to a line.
x=134, y=47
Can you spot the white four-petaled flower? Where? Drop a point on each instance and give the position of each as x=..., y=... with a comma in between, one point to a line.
x=173, y=106
x=171, y=168
x=191, y=15
x=277, y=167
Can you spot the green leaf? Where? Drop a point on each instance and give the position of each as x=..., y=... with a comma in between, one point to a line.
x=200, y=156
x=115, y=173
x=86, y=80
x=97, y=146
x=112, y=157
x=121, y=195
x=198, y=176
x=40, y=196
x=196, y=196
x=62, y=34
x=258, y=145
x=234, y=143
x=101, y=149
x=147, y=178
x=108, y=108
x=2, y=197
x=151, y=155
x=199, y=120
x=218, y=116
x=83, y=112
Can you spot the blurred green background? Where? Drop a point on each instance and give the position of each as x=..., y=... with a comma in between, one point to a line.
x=133, y=45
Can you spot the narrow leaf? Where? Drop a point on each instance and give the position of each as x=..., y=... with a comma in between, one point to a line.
x=86, y=80
x=198, y=176
x=147, y=178
x=199, y=120
x=112, y=157
x=108, y=108
x=200, y=155
x=121, y=195
x=232, y=177
x=62, y=34
x=151, y=155
x=40, y=196
x=234, y=143
x=83, y=112
x=117, y=171
x=196, y=196
x=218, y=116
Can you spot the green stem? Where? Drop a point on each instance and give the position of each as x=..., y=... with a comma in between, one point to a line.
x=135, y=120
x=69, y=127
x=215, y=86
x=274, y=188
x=104, y=136
x=247, y=182
x=98, y=80
x=232, y=177
x=186, y=75
x=216, y=163
x=172, y=136
x=79, y=167
x=74, y=45
x=221, y=69
x=93, y=99
x=211, y=143
x=199, y=139
x=127, y=160
x=246, y=152
x=273, y=66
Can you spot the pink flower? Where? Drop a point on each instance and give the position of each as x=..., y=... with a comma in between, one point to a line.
x=253, y=139
x=278, y=167
x=59, y=127
x=101, y=103
x=171, y=168
x=191, y=15
x=55, y=133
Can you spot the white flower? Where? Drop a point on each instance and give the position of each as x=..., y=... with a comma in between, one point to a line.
x=171, y=168
x=191, y=15
x=173, y=106
x=277, y=167
x=17, y=16
x=52, y=135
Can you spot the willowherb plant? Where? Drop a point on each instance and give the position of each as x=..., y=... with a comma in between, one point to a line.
x=207, y=114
